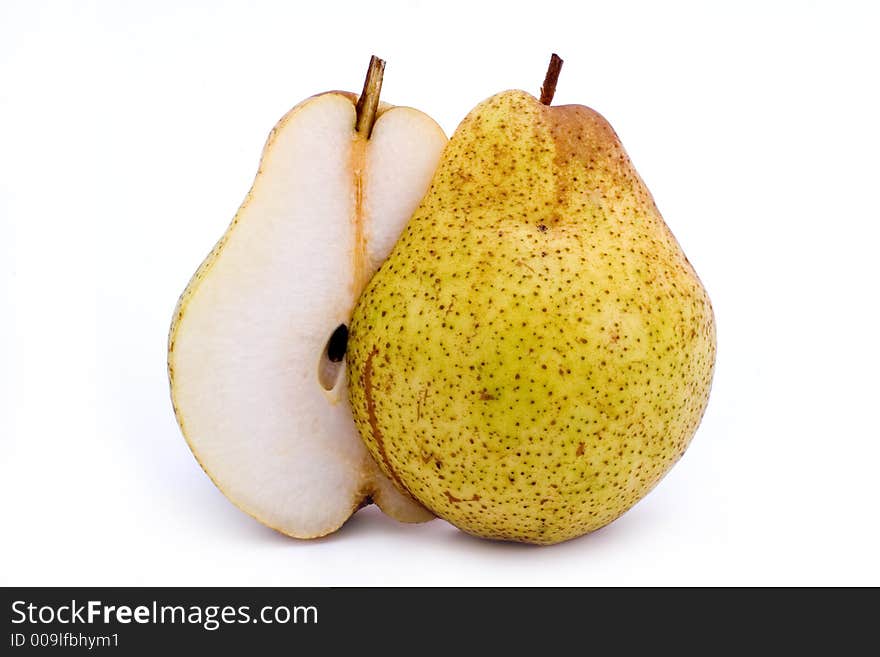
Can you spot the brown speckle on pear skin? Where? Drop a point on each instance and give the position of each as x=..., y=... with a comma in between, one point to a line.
x=455, y=500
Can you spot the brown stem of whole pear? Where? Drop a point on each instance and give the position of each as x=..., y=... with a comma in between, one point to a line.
x=549, y=86
x=368, y=103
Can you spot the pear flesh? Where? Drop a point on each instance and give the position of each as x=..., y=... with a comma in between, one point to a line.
x=257, y=391
x=537, y=351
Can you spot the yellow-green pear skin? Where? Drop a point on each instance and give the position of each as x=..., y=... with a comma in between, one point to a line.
x=537, y=351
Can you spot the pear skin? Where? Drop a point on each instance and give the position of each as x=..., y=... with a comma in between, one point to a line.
x=537, y=351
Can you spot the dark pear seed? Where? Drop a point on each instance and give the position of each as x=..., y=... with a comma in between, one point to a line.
x=337, y=344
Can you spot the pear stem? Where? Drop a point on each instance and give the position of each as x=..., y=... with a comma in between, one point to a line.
x=548, y=89
x=368, y=103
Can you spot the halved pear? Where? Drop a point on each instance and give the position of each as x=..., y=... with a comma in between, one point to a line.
x=256, y=347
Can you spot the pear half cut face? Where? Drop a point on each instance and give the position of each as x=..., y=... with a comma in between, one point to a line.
x=257, y=345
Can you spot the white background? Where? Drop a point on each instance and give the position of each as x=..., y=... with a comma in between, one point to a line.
x=130, y=132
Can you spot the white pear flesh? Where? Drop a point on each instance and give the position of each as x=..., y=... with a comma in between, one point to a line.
x=263, y=410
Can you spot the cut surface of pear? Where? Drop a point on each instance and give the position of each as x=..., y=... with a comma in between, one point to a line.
x=257, y=389
x=537, y=351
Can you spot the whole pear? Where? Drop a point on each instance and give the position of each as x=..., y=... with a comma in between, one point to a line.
x=537, y=351
x=256, y=346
